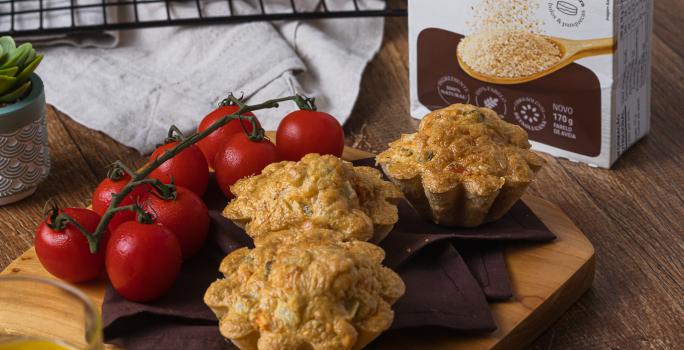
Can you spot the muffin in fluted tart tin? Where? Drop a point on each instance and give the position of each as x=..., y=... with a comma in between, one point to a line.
x=464, y=167
x=312, y=292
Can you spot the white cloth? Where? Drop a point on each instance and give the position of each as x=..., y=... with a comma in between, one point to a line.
x=176, y=75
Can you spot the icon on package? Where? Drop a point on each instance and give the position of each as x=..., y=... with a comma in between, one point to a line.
x=567, y=8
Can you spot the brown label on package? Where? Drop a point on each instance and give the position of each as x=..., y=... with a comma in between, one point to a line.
x=562, y=110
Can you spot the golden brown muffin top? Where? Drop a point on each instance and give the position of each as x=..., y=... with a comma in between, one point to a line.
x=315, y=294
x=463, y=144
x=318, y=191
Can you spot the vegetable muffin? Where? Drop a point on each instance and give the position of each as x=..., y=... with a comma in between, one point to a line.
x=315, y=294
x=465, y=166
x=318, y=191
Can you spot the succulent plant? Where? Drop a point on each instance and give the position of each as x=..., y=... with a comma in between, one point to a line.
x=16, y=66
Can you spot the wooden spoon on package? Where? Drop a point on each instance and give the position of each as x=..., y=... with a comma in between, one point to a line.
x=571, y=50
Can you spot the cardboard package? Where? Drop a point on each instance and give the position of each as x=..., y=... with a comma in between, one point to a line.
x=591, y=110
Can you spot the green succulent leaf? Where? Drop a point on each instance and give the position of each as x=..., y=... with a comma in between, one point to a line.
x=25, y=51
x=17, y=56
x=7, y=43
x=9, y=72
x=29, y=58
x=26, y=72
x=16, y=93
x=17, y=63
x=6, y=83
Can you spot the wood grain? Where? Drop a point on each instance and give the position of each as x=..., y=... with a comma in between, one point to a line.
x=632, y=214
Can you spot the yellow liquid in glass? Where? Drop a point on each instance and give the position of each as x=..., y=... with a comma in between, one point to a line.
x=32, y=344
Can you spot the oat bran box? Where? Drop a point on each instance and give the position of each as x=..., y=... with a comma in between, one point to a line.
x=591, y=110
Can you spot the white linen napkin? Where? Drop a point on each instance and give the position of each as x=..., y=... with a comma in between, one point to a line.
x=176, y=75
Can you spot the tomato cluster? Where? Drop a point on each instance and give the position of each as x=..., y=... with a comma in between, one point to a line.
x=142, y=260
x=233, y=155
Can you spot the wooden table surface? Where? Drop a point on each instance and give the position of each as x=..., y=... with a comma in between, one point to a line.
x=633, y=214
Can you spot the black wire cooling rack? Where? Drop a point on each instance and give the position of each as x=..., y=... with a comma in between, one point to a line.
x=22, y=18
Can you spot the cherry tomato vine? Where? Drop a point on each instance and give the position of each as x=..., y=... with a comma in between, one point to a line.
x=59, y=220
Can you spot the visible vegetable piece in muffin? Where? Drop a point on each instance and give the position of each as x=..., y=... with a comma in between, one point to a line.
x=465, y=165
x=318, y=191
x=314, y=294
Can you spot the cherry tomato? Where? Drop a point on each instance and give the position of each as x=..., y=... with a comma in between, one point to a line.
x=142, y=260
x=304, y=131
x=187, y=217
x=241, y=157
x=211, y=144
x=65, y=253
x=102, y=198
x=188, y=168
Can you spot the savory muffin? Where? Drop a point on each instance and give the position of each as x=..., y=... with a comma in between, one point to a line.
x=315, y=294
x=465, y=166
x=318, y=191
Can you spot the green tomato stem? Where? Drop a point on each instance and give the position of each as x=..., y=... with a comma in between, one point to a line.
x=140, y=176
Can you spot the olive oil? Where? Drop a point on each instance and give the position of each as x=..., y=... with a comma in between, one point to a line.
x=17, y=343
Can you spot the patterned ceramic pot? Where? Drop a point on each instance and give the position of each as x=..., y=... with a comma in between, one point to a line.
x=24, y=153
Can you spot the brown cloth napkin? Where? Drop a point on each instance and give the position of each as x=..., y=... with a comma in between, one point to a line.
x=449, y=275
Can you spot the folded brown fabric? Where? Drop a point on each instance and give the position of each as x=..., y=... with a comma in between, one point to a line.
x=486, y=263
x=520, y=224
x=441, y=292
x=449, y=274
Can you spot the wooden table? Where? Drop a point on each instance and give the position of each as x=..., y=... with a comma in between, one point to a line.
x=634, y=214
